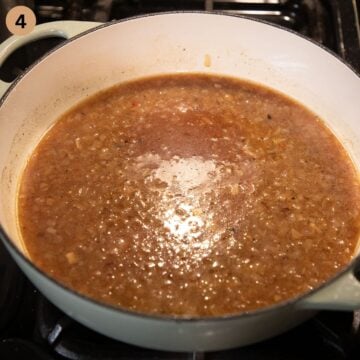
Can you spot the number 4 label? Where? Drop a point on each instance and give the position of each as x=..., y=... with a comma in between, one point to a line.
x=21, y=21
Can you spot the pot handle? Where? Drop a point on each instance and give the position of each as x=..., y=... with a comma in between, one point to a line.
x=65, y=29
x=342, y=293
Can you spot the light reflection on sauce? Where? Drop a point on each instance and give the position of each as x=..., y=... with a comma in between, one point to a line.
x=190, y=191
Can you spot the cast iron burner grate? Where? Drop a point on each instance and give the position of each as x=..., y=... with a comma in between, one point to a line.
x=55, y=336
x=328, y=336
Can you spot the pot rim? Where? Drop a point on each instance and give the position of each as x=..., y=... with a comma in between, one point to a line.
x=156, y=317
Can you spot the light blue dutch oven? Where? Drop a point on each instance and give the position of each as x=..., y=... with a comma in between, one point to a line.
x=98, y=56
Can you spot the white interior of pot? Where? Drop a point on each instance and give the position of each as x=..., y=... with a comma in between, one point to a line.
x=168, y=44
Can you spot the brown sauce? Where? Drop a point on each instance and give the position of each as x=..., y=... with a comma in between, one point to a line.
x=190, y=195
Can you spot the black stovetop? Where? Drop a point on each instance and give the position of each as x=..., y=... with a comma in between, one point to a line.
x=32, y=328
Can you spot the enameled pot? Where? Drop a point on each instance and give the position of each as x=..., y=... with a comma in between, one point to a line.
x=98, y=56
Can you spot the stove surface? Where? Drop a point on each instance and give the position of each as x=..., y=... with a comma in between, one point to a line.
x=32, y=328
